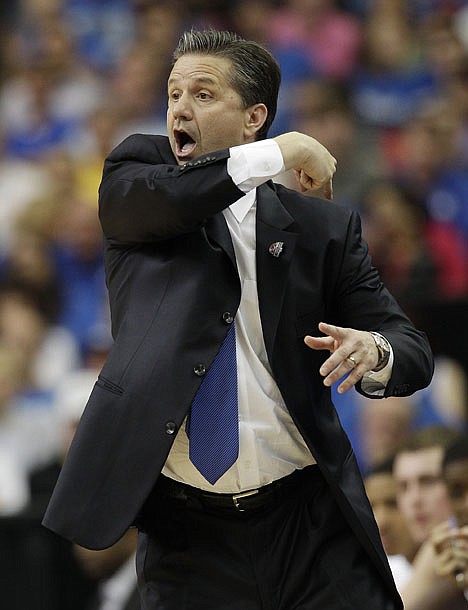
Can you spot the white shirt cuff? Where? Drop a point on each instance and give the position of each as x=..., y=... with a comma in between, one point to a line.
x=250, y=165
x=374, y=382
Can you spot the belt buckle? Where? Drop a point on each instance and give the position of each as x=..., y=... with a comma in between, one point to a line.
x=245, y=494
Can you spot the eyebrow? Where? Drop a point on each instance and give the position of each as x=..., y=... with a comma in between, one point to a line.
x=202, y=80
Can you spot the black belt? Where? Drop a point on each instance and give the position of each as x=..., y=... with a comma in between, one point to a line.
x=245, y=501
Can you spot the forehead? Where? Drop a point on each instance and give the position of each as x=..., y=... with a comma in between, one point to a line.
x=212, y=69
x=409, y=464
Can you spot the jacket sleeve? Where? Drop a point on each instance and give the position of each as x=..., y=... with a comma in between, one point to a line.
x=146, y=196
x=365, y=303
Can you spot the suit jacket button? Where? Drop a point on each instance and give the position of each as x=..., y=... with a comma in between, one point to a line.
x=228, y=317
x=170, y=427
x=199, y=369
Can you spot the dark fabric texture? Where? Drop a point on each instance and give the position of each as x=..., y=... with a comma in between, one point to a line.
x=171, y=273
x=297, y=554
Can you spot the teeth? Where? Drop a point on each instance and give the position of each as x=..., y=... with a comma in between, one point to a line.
x=188, y=146
x=185, y=143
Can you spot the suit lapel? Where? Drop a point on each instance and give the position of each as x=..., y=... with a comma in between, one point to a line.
x=217, y=235
x=275, y=248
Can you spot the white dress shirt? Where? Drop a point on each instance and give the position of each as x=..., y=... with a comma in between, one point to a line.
x=270, y=445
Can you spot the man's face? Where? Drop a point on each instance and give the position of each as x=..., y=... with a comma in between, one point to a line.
x=204, y=112
x=456, y=477
x=421, y=492
x=381, y=490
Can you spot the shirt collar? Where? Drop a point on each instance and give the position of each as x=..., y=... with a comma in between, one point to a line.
x=241, y=207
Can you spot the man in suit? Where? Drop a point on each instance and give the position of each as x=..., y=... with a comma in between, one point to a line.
x=258, y=502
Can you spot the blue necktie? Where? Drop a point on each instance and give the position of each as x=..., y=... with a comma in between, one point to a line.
x=213, y=426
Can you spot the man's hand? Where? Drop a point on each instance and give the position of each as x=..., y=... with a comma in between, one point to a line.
x=352, y=351
x=451, y=553
x=313, y=164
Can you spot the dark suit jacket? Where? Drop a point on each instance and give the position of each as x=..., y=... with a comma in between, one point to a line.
x=171, y=275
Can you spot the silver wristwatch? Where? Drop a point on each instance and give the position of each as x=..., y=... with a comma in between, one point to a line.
x=383, y=347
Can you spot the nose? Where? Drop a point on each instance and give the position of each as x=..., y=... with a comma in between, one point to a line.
x=181, y=108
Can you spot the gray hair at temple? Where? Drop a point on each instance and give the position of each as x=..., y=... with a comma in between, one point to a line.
x=256, y=75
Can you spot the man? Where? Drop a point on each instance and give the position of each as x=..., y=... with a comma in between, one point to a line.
x=424, y=503
x=450, y=539
x=397, y=542
x=421, y=490
x=204, y=254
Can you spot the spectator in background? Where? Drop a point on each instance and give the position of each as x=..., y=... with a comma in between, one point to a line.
x=391, y=81
x=442, y=47
x=137, y=88
x=421, y=491
x=14, y=492
x=424, y=503
x=322, y=108
x=450, y=539
x=396, y=539
x=80, y=271
x=21, y=181
x=395, y=231
x=429, y=588
x=427, y=167
x=383, y=427
x=329, y=36
x=114, y=571
x=44, y=101
x=28, y=264
x=102, y=30
x=55, y=580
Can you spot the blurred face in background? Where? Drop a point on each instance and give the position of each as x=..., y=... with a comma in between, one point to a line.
x=421, y=491
x=456, y=478
x=381, y=490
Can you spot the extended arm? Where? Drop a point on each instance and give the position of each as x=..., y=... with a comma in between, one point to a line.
x=146, y=196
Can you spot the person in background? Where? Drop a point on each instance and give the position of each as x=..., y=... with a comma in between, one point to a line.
x=421, y=491
x=424, y=502
x=450, y=539
x=397, y=542
x=114, y=571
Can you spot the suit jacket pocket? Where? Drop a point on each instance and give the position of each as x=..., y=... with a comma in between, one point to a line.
x=108, y=385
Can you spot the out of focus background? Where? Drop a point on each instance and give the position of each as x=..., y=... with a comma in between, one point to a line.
x=382, y=83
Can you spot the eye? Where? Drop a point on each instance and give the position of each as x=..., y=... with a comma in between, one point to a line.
x=204, y=95
x=174, y=95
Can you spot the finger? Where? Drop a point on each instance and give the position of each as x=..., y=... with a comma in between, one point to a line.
x=320, y=343
x=352, y=379
x=328, y=189
x=307, y=182
x=297, y=174
x=352, y=373
x=336, y=332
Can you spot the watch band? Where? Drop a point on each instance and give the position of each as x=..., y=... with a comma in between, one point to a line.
x=383, y=348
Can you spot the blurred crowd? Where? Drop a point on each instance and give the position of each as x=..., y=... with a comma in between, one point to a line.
x=382, y=83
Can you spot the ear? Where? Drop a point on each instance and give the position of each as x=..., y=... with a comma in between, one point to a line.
x=255, y=117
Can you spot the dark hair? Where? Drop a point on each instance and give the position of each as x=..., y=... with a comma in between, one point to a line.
x=256, y=75
x=383, y=467
x=457, y=451
x=428, y=437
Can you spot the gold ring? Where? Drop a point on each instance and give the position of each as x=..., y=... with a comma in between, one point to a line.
x=352, y=360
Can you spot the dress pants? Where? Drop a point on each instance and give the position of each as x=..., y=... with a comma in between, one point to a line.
x=296, y=554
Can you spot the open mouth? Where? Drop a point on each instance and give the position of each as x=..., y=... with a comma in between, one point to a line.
x=185, y=145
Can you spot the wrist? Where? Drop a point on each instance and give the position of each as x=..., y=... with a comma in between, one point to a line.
x=383, y=350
